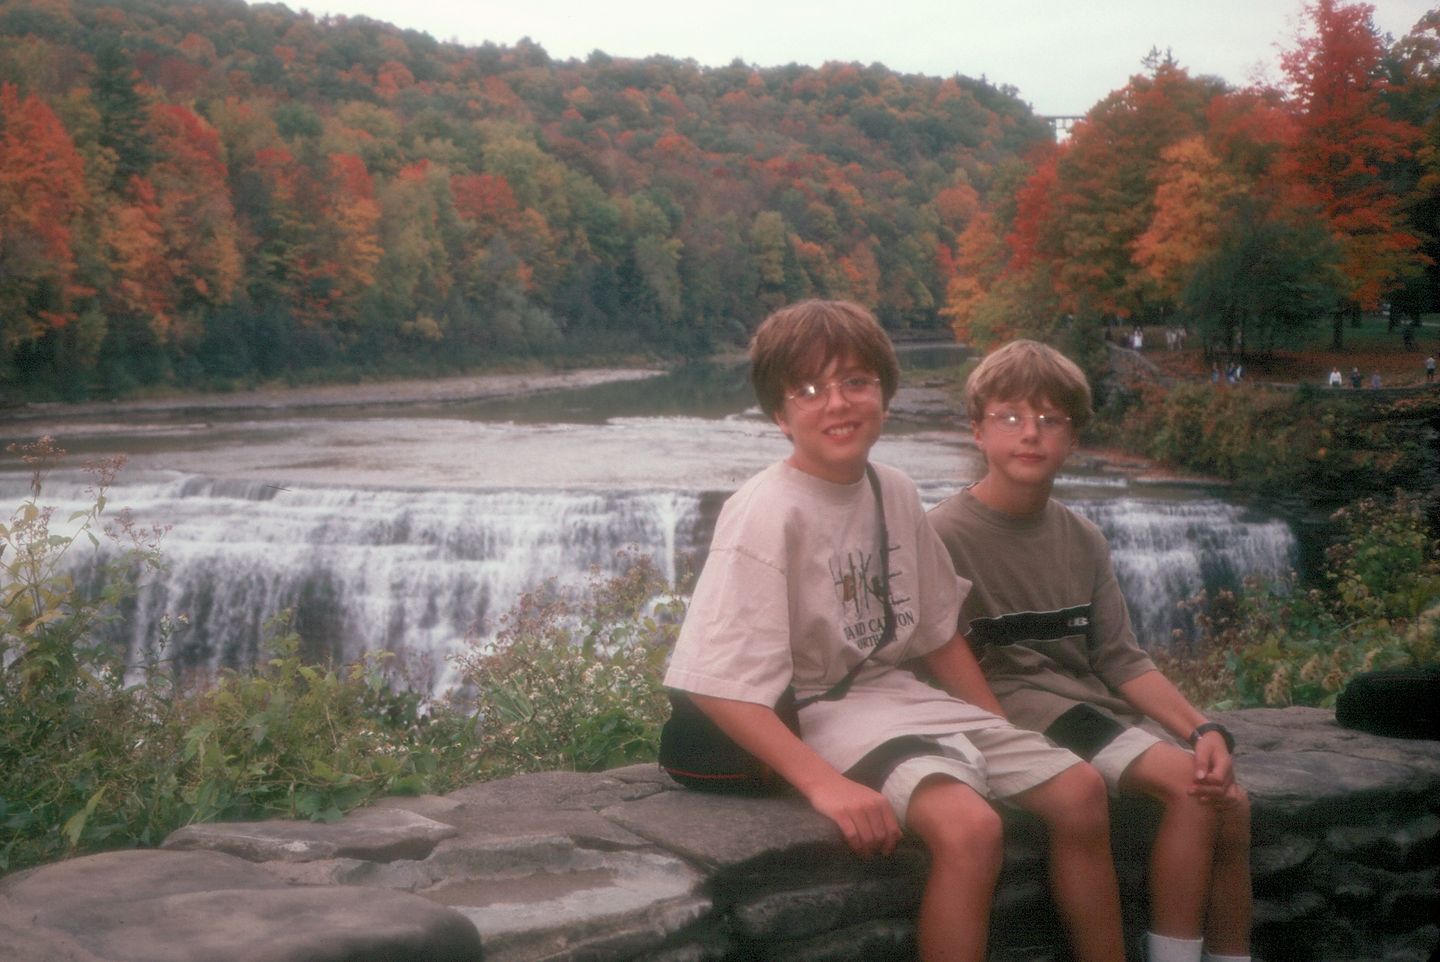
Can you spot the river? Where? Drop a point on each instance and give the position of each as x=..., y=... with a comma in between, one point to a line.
x=410, y=527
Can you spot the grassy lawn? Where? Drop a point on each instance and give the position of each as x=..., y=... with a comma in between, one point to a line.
x=1371, y=347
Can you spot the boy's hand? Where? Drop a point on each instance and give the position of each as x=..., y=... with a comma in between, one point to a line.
x=862, y=814
x=1214, y=772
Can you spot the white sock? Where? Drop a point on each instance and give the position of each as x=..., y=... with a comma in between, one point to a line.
x=1162, y=948
x=1212, y=957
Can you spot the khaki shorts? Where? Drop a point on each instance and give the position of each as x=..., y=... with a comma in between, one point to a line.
x=997, y=762
x=1112, y=760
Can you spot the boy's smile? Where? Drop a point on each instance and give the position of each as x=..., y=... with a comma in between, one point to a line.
x=833, y=432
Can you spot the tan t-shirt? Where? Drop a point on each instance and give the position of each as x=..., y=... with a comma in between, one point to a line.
x=789, y=594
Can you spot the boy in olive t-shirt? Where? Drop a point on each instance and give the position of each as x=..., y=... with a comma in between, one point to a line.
x=1049, y=626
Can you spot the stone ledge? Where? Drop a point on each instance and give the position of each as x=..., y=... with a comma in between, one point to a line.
x=624, y=865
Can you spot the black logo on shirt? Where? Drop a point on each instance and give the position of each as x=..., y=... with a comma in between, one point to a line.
x=858, y=587
x=1023, y=626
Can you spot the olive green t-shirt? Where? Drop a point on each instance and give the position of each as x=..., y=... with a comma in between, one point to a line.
x=1044, y=615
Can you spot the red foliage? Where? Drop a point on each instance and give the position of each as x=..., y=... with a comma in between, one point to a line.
x=1344, y=139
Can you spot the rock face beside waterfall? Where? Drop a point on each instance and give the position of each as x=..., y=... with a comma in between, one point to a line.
x=624, y=865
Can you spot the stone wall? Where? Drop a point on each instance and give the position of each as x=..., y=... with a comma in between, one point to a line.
x=623, y=865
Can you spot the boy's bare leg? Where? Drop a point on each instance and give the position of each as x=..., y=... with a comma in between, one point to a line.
x=1075, y=808
x=1199, y=872
x=1230, y=906
x=963, y=835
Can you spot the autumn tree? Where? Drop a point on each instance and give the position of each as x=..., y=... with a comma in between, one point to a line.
x=1344, y=141
x=1413, y=92
x=42, y=193
x=1193, y=200
x=1102, y=198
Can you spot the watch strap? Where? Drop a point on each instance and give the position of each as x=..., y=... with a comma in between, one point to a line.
x=1211, y=726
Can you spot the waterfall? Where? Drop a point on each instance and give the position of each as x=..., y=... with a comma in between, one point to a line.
x=416, y=572
x=409, y=571
x=1166, y=551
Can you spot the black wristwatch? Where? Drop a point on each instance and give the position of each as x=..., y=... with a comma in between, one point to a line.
x=1213, y=727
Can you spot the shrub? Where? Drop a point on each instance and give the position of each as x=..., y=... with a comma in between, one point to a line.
x=77, y=748
x=575, y=685
x=293, y=739
x=1232, y=432
x=89, y=761
x=1279, y=644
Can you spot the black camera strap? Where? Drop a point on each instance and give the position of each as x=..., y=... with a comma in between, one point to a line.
x=838, y=690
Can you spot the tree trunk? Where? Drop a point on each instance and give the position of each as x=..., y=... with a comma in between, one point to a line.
x=1337, y=332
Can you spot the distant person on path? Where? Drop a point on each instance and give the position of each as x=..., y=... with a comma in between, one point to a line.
x=1355, y=378
x=1430, y=369
x=1137, y=339
x=1052, y=633
x=799, y=589
x=1335, y=379
x=1374, y=380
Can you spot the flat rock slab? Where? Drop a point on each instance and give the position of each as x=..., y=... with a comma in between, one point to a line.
x=208, y=907
x=582, y=897
x=724, y=830
x=376, y=835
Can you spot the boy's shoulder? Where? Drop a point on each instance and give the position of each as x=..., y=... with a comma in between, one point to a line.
x=962, y=511
x=781, y=494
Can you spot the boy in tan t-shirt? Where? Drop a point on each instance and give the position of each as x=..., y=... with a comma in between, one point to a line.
x=791, y=594
x=1052, y=634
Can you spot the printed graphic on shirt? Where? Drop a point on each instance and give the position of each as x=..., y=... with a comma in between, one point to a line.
x=858, y=587
x=1029, y=626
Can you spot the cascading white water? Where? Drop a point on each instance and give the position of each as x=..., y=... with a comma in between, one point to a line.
x=417, y=571
x=1166, y=551
x=412, y=572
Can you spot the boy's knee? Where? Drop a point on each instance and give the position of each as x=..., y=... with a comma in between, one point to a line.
x=956, y=823
x=1083, y=803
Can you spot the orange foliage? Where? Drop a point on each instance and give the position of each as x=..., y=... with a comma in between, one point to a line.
x=42, y=191
x=956, y=205
x=1191, y=201
x=484, y=197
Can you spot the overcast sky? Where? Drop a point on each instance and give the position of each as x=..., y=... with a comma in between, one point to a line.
x=1061, y=55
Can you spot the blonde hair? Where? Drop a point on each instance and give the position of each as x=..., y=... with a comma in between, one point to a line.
x=1029, y=371
x=794, y=344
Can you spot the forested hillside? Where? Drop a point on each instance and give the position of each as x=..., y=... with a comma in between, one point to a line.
x=208, y=193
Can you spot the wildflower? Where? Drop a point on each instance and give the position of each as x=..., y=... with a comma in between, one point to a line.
x=1277, y=691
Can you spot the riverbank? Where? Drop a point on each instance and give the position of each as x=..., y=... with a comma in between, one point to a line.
x=469, y=387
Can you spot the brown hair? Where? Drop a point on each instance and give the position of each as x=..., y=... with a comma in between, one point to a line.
x=1029, y=371
x=795, y=343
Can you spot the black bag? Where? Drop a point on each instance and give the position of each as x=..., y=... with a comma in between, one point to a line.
x=697, y=754
x=1396, y=702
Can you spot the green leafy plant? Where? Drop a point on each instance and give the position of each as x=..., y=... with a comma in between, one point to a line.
x=302, y=740
x=93, y=756
x=1277, y=643
x=575, y=684
x=75, y=743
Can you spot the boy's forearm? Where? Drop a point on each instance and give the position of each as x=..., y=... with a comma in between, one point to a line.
x=1156, y=697
x=954, y=666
